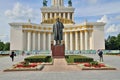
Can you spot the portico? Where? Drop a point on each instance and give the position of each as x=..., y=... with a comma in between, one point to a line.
x=30, y=36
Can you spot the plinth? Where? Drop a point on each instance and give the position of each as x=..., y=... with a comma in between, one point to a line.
x=58, y=51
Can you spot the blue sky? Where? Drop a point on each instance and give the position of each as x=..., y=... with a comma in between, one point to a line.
x=93, y=10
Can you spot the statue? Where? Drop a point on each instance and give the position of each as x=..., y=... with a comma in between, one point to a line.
x=58, y=31
x=44, y=3
x=69, y=3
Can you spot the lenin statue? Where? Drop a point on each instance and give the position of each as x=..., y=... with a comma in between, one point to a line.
x=58, y=31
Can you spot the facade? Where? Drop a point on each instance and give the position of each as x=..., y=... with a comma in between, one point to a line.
x=83, y=36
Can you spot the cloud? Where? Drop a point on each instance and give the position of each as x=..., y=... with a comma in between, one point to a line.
x=103, y=19
x=20, y=11
x=113, y=29
x=92, y=1
x=118, y=17
x=99, y=9
x=4, y=38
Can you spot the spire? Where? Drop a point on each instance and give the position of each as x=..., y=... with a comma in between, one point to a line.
x=57, y=2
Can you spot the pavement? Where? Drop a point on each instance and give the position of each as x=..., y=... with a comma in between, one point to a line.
x=62, y=73
x=60, y=65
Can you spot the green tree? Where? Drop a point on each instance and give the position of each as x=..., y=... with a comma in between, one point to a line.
x=118, y=40
x=7, y=46
x=112, y=43
x=1, y=45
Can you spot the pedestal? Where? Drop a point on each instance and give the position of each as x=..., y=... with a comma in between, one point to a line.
x=58, y=51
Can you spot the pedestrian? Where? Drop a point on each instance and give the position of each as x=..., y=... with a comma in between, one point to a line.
x=12, y=55
x=100, y=53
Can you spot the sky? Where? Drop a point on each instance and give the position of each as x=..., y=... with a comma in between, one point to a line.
x=107, y=11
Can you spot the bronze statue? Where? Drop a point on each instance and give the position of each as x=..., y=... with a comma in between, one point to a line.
x=69, y=3
x=44, y=3
x=58, y=31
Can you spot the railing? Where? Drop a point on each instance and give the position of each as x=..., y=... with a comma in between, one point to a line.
x=48, y=52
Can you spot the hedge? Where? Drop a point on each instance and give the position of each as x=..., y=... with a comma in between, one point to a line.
x=83, y=59
x=38, y=59
x=78, y=58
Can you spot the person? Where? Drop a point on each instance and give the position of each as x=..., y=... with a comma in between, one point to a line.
x=58, y=31
x=12, y=55
x=100, y=53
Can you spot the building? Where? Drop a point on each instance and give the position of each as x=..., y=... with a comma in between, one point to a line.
x=83, y=36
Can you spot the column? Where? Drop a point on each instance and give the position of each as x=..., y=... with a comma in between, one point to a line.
x=81, y=40
x=64, y=15
x=39, y=40
x=42, y=17
x=72, y=16
x=29, y=41
x=62, y=4
x=46, y=16
x=59, y=2
x=91, y=39
x=44, y=41
x=60, y=15
x=50, y=15
x=71, y=41
x=55, y=15
x=56, y=2
x=49, y=41
x=66, y=41
x=52, y=2
x=24, y=41
x=76, y=40
x=86, y=40
x=33, y=39
x=68, y=15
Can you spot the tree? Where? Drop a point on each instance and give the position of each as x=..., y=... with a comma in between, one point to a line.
x=112, y=43
x=1, y=46
x=7, y=46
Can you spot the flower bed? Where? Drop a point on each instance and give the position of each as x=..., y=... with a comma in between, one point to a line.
x=95, y=66
x=22, y=66
x=33, y=63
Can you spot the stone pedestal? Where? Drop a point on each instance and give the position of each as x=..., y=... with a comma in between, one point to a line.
x=58, y=51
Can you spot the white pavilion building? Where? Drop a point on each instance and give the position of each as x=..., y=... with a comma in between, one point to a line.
x=83, y=36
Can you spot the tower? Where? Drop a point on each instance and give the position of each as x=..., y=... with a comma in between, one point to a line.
x=57, y=3
x=57, y=9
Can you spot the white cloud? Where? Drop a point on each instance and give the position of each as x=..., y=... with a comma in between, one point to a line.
x=103, y=19
x=99, y=9
x=4, y=38
x=20, y=11
x=118, y=17
x=113, y=29
x=92, y=1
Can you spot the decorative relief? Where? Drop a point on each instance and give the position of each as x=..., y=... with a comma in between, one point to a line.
x=53, y=20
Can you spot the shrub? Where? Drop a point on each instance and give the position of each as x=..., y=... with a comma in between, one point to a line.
x=83, y=59
x=94, y=63
x=77, y=58
x=33, y=59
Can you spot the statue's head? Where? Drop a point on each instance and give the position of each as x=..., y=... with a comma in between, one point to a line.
x=57, y=19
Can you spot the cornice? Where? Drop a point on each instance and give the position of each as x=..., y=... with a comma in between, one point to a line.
x=57, y=9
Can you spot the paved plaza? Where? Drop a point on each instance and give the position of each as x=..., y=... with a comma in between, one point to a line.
x=5, y=62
